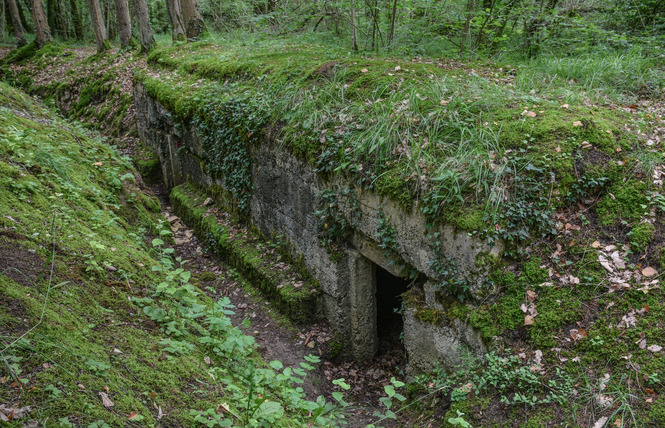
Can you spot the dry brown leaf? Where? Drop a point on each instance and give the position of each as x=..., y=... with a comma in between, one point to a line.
x=600, y=423
x=649, y=271
x=531, y=114
x=565, y=106
x=655, y=348
x=364, y=70
x=577, y=123
x=106, y=401
x=132, y=415
x=528, y=320
x=596, y=244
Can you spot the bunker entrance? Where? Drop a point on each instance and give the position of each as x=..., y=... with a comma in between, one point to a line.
x=389, y=322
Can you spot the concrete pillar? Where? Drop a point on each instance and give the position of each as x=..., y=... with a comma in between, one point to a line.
x=362, y=299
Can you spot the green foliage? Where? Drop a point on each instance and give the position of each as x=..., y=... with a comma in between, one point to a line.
x=332, y=225
x=624, y=202
x=640, y=236
x=139, y=329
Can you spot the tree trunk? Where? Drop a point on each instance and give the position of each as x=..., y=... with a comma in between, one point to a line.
x=145, y=30
x=175, y=16
x=391, y=36
x=191, y=15
x=42, y=30
x=3, y=20
x=124, y=23
x=97, y=21
x=16, y=23
x=76, y=20
x=466, y=34
x=26, y=25
x=61, y=20
x=354, y=33
x=50, y=15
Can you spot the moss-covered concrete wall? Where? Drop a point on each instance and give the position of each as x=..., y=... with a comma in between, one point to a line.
x=339, y=241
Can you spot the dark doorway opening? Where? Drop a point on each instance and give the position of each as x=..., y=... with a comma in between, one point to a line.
x=389, y=322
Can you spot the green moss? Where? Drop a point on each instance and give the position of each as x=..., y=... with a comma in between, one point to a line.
x=640, y=236
x=428, y=315
x=207, y=276
x=21, y=54
x=242, y=251
x=624, y=202
x=532, y=273
x=150, y=169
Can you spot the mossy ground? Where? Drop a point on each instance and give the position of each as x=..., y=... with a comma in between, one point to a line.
x=77, y=277
x=72, y=260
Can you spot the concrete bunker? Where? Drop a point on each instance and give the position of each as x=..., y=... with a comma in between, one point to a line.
x=359, y=285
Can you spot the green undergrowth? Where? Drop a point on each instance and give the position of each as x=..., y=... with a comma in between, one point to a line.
x=88, y=89
x=256, y=259
x=99, y=324
x=467, y=142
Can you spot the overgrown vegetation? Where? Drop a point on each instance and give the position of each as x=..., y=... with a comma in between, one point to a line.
x=100, y=324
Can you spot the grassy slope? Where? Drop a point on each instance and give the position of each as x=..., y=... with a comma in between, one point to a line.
x=77, y=274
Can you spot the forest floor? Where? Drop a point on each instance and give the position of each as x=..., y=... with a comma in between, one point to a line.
x=578, y=323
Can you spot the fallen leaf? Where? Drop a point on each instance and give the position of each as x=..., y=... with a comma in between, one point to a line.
x=528, y=320
x=8, y=413
x=600, y=423
x=364, y=70
x=398, y=68
x=97, y=164
x=565, y=106
x=618, y=422
x=649, y=271
x=577, y=123
x=531, y=114
x=132, y=416
x=106, y=401
x=655, y=348
x=596, y=244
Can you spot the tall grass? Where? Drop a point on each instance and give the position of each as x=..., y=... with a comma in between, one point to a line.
x=620, y=76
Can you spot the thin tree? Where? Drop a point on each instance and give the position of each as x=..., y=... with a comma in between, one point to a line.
x=97, y=21
x=42, y=30
x=191, y=15
x=354, y=33
x=2, y=20
x=391, y=35
x=16, y=23
x=76, y=20
x=26, y=25
x=124, y=23
x=145, y=30
x=175, y=16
